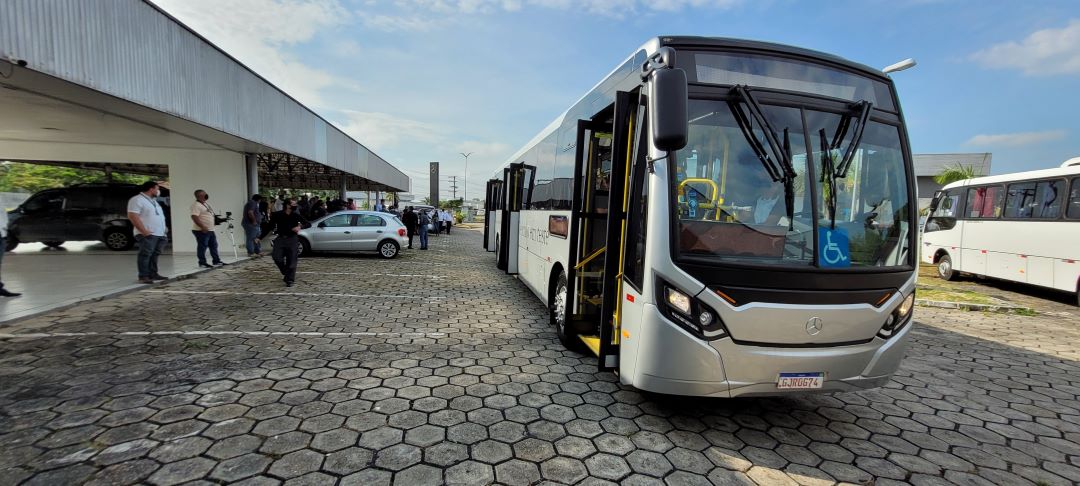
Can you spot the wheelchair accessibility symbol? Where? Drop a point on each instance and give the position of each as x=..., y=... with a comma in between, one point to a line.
x=833, y=248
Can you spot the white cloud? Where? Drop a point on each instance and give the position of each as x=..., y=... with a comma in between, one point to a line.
x=1044, y=52
x=258, y=32
x=1016, y=139
x=485, y=149
x=425, y=15
x=381, y=131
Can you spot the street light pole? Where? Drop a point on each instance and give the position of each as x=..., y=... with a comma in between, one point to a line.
x=465, y=197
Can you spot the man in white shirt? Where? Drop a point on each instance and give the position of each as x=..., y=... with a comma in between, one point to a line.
x=448, y=220
x=202, y=218
x=148, y=218
x=3, y=248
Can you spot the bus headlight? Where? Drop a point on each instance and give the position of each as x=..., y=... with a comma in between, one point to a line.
x=898, y=318
x=678, y=300
x=690, y=313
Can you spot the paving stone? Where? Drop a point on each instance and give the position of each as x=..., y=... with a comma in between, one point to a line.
x=225, y=449
x=607, y=466
x=517, y=472
x=398, y=457
x=334, y=440
x=130, y=472
x=472, y=473
x=241, y=467
x=285, y=443
x=296, y=464
x=181, y=471
x=380, y=438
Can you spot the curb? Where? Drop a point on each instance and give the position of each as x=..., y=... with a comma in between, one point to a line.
x=1001, y=308
x=117, y=293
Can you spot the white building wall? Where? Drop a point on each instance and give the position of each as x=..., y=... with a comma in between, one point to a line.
x=221, y=173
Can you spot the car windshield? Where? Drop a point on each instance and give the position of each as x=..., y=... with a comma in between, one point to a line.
x=730, y=208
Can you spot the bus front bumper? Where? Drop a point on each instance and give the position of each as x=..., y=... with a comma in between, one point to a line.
x=675, y=362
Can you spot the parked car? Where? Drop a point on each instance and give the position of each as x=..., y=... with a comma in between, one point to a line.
x=82, y=212
x=351, y=231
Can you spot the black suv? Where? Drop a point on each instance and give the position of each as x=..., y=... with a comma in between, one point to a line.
x=83, y=212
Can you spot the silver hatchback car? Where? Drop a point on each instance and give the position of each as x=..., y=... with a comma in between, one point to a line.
x=349, y=231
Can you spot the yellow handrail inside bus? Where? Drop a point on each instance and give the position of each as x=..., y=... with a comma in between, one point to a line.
x=589, y=258
x=712, y=185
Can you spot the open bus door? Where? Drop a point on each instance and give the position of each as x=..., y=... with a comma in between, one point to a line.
x=491, y=205
x=518, y=180
x=598, y=228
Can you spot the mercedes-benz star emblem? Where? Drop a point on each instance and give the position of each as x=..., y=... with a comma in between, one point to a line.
x=813, y=326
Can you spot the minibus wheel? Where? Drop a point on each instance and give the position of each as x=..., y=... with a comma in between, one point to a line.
x=945, y=268
x=559, y=318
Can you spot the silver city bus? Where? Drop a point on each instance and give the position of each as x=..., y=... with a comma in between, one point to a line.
x=721, y=217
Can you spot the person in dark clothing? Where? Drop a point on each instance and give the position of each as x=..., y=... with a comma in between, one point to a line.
x=318, y=211
x=424, y=221
x=287, y=224
x=411, y=220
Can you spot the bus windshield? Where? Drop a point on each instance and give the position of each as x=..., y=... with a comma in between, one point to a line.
x=729, y=208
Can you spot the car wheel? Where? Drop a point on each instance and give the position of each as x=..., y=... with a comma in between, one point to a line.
x=53, y=244
x=118, y=239
x=10, y=243
x=559, y=317
x=945, y=268
x=304, y=249
x=388, y=249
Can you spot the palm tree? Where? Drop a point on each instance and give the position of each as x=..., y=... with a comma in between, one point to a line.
x=953, y=174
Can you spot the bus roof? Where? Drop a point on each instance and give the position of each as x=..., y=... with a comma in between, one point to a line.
x=688, y=43
x=1063, y=171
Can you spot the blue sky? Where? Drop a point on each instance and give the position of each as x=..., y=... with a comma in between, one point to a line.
x=424, y=80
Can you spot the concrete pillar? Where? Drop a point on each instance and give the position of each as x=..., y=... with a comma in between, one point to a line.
x=252, y=168
x=344, y=186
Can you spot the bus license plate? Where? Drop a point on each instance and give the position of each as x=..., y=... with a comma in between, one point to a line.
x=796, y=381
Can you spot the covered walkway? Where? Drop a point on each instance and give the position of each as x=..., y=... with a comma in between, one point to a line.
x=151, y=92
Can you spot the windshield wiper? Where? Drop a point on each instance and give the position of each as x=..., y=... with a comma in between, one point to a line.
x=864, y=108
x=830, y=170
x=781, y=170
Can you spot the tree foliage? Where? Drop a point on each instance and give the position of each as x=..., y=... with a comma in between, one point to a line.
x=22, y=177
x=957, y=173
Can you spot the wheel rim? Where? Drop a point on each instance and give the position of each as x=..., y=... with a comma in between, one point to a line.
x=116, y=240
x=944, y=267
x=388, y=250
x=560, y=306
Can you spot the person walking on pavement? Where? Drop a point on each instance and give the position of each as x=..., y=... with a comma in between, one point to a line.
x=202, y=217
x=448, y=219
x=287, y=224
x=148, y=219
x=410, y=220
x=3, y=248
x=252, y=223
x=424, y=220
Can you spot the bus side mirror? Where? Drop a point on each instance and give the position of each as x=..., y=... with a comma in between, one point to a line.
x=935, y=201
x=667, y=106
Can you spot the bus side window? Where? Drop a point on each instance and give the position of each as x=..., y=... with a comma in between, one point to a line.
x=1020, y=201
x=1049, y=196
x=1074, y=200
x=984, y=202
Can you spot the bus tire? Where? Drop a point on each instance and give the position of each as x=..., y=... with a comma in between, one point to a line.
x=945, y=268
x=557, y=311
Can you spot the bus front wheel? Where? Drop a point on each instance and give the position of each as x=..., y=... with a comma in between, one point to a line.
x=945, y=268
x=559, y=318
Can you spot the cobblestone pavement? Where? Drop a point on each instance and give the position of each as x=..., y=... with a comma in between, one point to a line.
x=435, y=368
